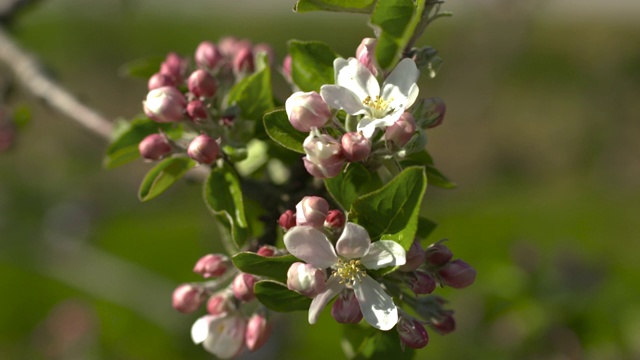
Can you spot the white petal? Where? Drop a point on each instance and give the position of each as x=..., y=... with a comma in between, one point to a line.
x=227, y=336
x=311, y=246
x=200, y=329
x=400, y=83
x=354, y=241
x=376, y=305
x=367, y=126
x=413, y=95
x=354, y=76
x=384, y=253
x=339, y=97
x=332, y=288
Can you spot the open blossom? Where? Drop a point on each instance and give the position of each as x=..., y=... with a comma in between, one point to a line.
x=222, y=335
x=358, y=92
x=354, y=253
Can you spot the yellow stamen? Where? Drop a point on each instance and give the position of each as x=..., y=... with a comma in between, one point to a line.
x=349, y=271
x=378, y=104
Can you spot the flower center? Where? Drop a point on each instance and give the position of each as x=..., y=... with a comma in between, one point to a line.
x=349, y=271
x=378, y=106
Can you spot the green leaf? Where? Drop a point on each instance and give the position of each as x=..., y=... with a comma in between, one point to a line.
x=277, y=297
x=278, y=127
x=392, y=211
x=163, y=175
x=253, y=94
x=127, y=135
x=355, y=181
x=142, y=68
x=436, y=178
x=354, y=6
x=311, y=64
x=275, y=267
x=223, y=196
x=396, y=20
x=425, y=227
x=377, y=345
x=21, y=116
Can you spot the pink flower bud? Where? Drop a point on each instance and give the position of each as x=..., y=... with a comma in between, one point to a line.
x=412, y=333
x=220, y=303
x=346, y=309
x=207, y=55
x=212, y=265
x=197, y=111
x=154, y=147
x=306, y=279
x=202, y=84
x=243, y=61
x=421, y=283
x=204, y=149
x=267, y=251
x=457, y=274
x=165, y=104
x=335, y=219
x=230, y=46
x=258, y=331
x=187, y=298
x=438, y=254
x=242, y=287
x=267, y=49
x=356, y=146
x=286, y=68
x=287, y=220
x=307, y=110
x=415, y=257
x=174, y=67
x=325, y=157
x=158, y=80
x=366, y=54
x=312, y=211
x=445, y=324
x=401, y=131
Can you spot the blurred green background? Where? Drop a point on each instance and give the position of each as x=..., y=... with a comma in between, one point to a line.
x=540, y=135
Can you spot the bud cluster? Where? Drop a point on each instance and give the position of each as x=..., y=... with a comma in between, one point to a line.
x=233, y=322
x=313, y=211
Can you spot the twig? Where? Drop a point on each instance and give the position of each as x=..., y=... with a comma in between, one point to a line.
x=29, y=73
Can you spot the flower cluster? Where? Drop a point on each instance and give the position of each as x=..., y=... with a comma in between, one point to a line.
x=373, y=120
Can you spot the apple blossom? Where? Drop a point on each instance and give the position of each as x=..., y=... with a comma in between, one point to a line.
x=222, y=335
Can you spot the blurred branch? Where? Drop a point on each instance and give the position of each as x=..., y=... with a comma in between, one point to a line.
x=30, y=74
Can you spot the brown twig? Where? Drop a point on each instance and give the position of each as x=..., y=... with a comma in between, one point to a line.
x=30, y=75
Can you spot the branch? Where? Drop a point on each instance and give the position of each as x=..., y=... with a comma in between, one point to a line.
x=30, y=74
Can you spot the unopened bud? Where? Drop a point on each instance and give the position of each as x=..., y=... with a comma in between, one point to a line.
x=430, y=112
x=258, y=331
x=266, y=49
x=335, y=219
x=197, y=111
x=306, y=279
x=366, y=54
x=457, y=274
x=412, y=333
x=212, y=265
x=356, y=146
x=267, y=251
x=346, y=309
x=421, y=283
x=438, y=254
x=220, y=303
x=204, y=149
x=202, y=84
x=415, y=257
x=325, y=157
x=154, y=147
x=401, y=131
x=174, y=67
x=187, y=298
x=207, y=55
x=242, y=287
x=165, y=104
x=286, y=68
x=307, y=110
x=158, y=80
x=287, y=220
x=230, y=46
x=243, y=61
x=444, y=324
x=312, y=211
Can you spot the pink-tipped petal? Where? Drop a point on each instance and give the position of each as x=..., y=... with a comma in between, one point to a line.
x=384, y=253
x=354, y=242
x=311, y=246
x=332, y=288
x=376, y=305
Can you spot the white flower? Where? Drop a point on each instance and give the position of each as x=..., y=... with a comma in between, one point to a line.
x=355, y=254
x=358, y=92
x=222, y=335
